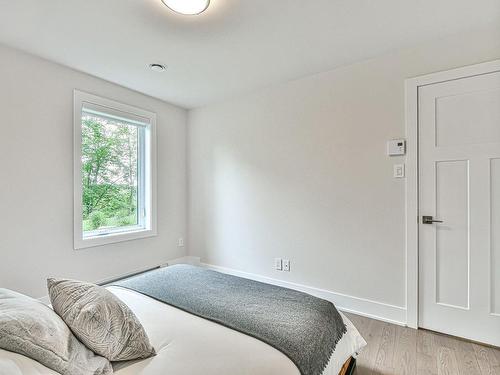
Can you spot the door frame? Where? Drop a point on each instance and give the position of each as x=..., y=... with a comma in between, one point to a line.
x=412, y=86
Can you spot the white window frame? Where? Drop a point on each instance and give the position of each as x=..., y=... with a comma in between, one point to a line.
x=148, y=167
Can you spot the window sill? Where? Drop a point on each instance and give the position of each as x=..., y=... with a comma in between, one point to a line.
x=105, y=239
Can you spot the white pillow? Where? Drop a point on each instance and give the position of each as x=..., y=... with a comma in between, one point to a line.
x=100, y=320
x=30, y=328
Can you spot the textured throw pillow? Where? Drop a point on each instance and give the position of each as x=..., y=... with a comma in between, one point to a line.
x=100, y=320
x=30, y=328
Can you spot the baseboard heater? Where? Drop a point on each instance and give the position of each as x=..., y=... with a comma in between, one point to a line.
x=103, y=283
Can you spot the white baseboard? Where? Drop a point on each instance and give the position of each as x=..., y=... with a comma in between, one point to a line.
x=360, y=306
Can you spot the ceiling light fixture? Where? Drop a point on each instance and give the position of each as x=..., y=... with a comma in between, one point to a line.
x=157, y=67
x=187, y=7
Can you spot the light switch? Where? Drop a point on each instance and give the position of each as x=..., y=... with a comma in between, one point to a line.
x=399, y=171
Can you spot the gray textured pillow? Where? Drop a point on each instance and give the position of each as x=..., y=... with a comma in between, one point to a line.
x=100, y=320
x=30, y=328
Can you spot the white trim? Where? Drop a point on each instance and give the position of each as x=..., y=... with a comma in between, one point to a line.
x=360, y=306
x=411, y=196
x=146, y=118
x=411, y=98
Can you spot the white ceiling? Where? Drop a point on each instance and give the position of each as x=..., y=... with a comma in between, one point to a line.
x=235, y=46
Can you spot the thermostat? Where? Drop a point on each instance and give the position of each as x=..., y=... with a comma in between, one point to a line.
x=396, y=147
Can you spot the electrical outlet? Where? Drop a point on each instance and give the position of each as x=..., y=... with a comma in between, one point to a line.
x=180, y=242
x=286, y=265
x=278, y=266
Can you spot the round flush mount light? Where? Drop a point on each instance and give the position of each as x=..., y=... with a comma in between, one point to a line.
x=187, y=7
x=157, y=67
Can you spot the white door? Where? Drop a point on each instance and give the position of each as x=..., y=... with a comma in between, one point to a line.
x=459, y=171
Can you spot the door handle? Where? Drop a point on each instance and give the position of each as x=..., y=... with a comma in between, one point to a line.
x=430, y=220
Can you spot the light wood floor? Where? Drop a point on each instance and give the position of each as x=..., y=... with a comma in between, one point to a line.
x=395, y=350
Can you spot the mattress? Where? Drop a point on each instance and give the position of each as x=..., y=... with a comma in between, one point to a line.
x=189, y=345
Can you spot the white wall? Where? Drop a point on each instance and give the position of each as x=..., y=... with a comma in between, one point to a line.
x=36, y=187
x=299, y=171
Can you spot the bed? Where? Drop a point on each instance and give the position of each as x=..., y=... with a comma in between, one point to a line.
x=189, y=345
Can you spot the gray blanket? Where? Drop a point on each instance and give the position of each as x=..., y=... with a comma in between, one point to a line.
x=303, y=327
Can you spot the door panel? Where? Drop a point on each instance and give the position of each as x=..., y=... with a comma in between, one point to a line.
x=452, y=236
x=476, y=114
x=495, y=236
x=459, y=183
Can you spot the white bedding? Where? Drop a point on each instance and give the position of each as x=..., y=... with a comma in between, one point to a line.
x=190, y=345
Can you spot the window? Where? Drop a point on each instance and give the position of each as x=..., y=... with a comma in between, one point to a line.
x=114, y=163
